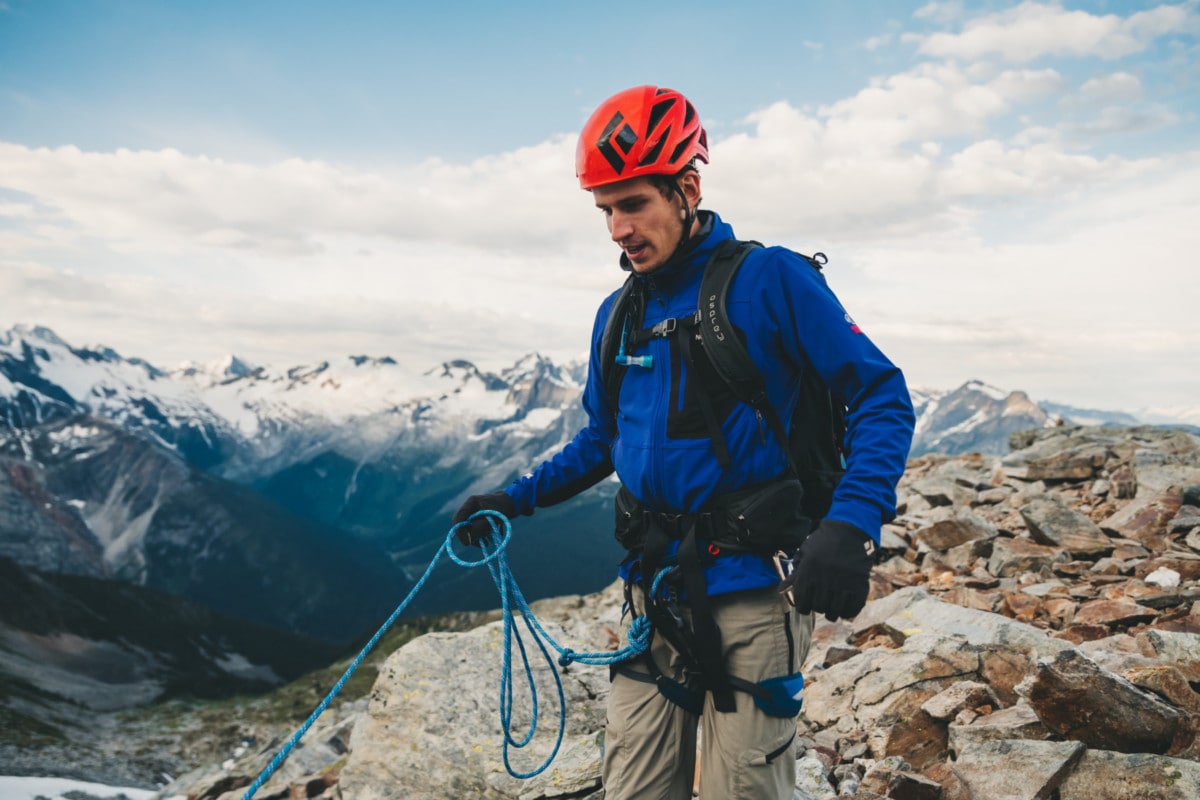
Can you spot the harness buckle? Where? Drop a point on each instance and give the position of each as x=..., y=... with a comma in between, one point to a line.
x=665, y=328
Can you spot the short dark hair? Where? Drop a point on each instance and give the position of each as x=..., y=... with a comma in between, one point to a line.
x=668, y=185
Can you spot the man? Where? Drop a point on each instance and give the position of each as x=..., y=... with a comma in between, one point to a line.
x=727, y=644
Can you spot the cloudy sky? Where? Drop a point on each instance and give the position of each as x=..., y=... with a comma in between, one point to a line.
x=1006, y=191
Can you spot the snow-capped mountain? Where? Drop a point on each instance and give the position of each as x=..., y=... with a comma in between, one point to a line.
x=101, y=455
x=102, y=458
x=974, y=417
x=244, y=421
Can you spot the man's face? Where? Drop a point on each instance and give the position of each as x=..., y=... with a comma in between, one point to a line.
x=642, y=221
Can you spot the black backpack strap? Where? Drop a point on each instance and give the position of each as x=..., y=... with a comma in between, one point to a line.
x=626, y=313
x=726, y=352
x=814, y=449
x=724, y=347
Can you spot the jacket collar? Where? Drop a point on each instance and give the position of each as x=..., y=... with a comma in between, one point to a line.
x=693, y=256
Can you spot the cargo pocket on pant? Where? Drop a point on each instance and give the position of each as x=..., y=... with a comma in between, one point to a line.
x=762, y=760
x=766, y=772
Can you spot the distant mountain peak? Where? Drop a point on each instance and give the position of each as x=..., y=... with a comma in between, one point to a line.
x=38, y=333
x=974, y=417
x=976, y=385
x=372, y=361
x=463, y=372
x=219, y=370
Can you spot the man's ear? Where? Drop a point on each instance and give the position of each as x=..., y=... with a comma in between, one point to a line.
x=689, y=184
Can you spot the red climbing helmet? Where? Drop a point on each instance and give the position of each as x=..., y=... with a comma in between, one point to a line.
x=646, y=130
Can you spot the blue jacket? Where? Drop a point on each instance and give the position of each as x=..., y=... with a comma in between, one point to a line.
x=657, y=443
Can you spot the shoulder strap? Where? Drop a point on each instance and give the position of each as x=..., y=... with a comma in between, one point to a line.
x=724, y=347
x=732, y=362
x=627, y=307
x=726, y=351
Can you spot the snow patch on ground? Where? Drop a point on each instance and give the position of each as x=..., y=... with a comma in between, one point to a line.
x=57, y=789
x=239, y=665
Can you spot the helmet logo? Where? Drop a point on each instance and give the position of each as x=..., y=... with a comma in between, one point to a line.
x=625, y=138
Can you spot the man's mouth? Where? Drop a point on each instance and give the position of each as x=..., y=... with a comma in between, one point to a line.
x=634, y=252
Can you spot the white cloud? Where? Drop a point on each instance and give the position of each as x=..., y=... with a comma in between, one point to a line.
x=975, y=225
x=161, y=201
x=439, y=258
x=940, y=12
x=1116, y=120
x=1119, y=87
x=877, y=42
x=899, y=156
x=1032, y=30
x=17, y=210
x=1081, y=300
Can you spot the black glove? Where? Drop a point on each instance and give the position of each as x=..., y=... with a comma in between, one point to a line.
x=833, y=571
x=479, y=528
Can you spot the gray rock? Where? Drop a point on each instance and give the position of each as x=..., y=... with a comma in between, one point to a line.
x=891, y=538
x=1011, y=557
x=1105, y=775
x=943, y=492
x=1179, y=649
x=812, y=780
x=963, y=527
x=961, y=558
x=432, y=729
x=1123, y=482
x=1187, y=518
x=1052, y=522
x=878, y=611
x=1074, y=697
x=1076, y=464
x=994, y=495
x=977, y=627
x=1032, y=770
x=897, y=782
x=1015, y=722
x=1193, y=540
x=965, y=694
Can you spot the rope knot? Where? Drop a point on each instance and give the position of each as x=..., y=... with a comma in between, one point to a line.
x=567, y=658
x=639, y=634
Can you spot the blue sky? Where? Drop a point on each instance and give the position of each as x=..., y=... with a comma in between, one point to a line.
x=1007, y=191
x=401, y=80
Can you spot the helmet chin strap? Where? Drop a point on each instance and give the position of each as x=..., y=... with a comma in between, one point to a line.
x=689, y=219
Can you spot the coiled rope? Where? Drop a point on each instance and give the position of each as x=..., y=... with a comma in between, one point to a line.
x=510, y=598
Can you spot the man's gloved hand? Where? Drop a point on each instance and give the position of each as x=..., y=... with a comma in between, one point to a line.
x=833, y=571
x=479, y=528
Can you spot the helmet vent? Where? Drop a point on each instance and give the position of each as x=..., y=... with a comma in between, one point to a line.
x=652, y=155
x=681, y=148
x=658, y=112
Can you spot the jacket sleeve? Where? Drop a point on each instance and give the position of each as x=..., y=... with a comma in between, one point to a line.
x=586, y=459
x=818, y=333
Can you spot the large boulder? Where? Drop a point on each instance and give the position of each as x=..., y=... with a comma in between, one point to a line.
x=432, y=729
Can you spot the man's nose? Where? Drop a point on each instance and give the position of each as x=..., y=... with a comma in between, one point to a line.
x=619, y=226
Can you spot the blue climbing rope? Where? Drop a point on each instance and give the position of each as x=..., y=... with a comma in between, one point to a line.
x=510, y=598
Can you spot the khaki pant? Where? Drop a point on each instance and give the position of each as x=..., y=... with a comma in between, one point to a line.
x=650, y=743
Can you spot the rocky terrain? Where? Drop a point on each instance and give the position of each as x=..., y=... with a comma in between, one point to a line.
x=1033, y=633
